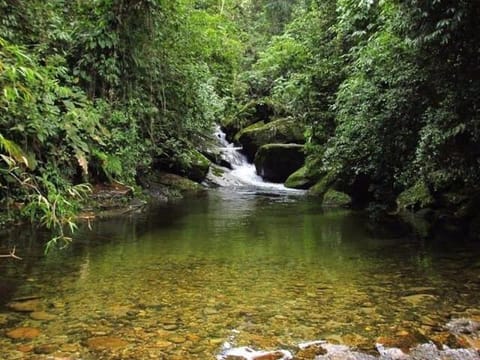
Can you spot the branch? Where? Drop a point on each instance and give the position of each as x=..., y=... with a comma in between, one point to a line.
x=11, y=255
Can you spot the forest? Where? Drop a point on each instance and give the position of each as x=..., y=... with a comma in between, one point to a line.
x=385, y=95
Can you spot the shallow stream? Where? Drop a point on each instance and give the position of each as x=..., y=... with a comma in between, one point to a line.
x=252, y=269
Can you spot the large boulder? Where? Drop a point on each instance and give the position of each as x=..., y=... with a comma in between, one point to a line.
x=281, y=131
x=196, y=168
x=307, y=175
x=250, y=113
x=276, y=162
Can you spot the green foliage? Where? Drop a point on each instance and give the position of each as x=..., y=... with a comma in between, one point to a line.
x=99, y=91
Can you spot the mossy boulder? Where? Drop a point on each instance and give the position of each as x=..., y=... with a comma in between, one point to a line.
x=276, y=162
x=307, y=175
x=250, y=113
x=163, y=186
x=299, y=179
x=415, y=197
x=336, y=198
x=323, y=185
x=196, y=168
x=280, y=131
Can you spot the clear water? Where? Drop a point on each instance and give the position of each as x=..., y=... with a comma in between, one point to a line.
x=259, y=270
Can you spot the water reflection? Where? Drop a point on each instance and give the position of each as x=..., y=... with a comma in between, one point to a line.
x=278, y=270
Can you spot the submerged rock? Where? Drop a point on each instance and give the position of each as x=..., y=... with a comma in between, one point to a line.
x=106, y=343
x=25, y=306
x=463, y=326
x=23, y=333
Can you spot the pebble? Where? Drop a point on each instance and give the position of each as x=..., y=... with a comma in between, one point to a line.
x=23, y=333
x=177, y=339
x=42, y=316
x=25, y=306
x=106, y=343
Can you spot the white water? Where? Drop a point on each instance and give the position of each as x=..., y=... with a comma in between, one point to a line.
x=243, y=173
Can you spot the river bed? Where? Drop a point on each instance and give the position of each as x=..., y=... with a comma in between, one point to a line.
x=242, y=268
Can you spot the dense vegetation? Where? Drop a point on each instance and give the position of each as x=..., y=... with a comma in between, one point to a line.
x=104, y=90
x=388, y=91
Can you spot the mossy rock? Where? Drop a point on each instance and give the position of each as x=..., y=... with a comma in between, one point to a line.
x=307, y=175
x=276, y=162
x=196, y=168
x=163, y=186
x=323, y=185
x=415, y=198
x=336, y=198
x=250, y=113
x=280, y=131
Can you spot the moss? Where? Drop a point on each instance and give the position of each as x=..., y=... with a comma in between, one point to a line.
x=336, y=198
x=307, y=175
x=299, y=180
x=415, y=198
x=197, y=168
x=178, y=183
x=280, y=131
x=323, y=185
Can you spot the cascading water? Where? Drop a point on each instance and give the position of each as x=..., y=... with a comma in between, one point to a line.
x=242, y=173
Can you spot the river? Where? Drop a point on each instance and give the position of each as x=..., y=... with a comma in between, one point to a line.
x=232, y=268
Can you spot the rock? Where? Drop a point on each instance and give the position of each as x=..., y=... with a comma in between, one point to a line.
x=276, y=162
x=23, y=333
x=4, y=318
x=45, y=349
x=25, y=306
x=418, y=299
x=177, y=339
x=281, y=131
x=42, y=316
x=194, y=166
x=252, y=112
x=310, y=352
x=163, y=186
x=415, y=198
x=245, y=353
x=323, y=185
x=106, y=343
x=197, y=168
x=463, y=326
x=170, y=327
x=163, y=344
x=336, y=198
x=303, y=178
x=25, y=348
x=404, y=342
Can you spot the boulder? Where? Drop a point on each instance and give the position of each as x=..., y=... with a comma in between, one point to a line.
x=336, y=198
x=250, y=113
x=281, y=131
x=276, y=162
x=415, y=198
x=197, y=168
x=323, y=185
x=305, y=177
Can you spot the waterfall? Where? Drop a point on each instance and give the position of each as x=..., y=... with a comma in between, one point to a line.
x=242, y=173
